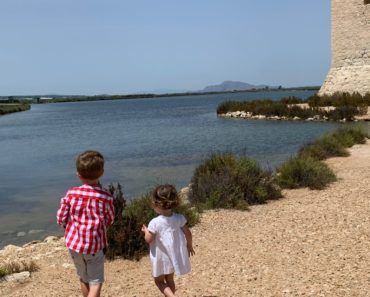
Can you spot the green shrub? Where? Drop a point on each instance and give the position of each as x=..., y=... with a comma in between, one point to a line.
x=326, y=147
x=342, y=112
x=227, y=181
x=304, y=172
x=348, y=136
x=125, y=238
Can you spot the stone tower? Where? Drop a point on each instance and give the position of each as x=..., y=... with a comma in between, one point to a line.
x=350, y=48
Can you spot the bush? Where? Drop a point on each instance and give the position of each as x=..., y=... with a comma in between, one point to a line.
x=327, y=146
x=343, y=112
x=348, y=136
x=125, y=238
x=304, y=172
x=11, y=267
x=226, y=181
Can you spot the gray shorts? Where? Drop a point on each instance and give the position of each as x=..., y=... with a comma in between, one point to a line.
x=90, y=268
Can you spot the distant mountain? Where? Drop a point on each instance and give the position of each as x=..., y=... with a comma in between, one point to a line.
x=229, y=85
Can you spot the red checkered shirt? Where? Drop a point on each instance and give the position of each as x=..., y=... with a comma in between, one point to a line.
x=85, y=212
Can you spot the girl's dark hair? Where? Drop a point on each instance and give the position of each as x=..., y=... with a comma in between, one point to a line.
x=165, y=197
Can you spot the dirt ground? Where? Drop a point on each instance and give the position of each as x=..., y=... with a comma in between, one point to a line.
x=310, y=243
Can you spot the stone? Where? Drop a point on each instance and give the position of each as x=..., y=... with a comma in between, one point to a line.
x=51, y=239
x=32, y=243
x=68, y=266
x=35, y=231
x=21, y=234
x=20, y=277
x=184, y=195
x=11, y=248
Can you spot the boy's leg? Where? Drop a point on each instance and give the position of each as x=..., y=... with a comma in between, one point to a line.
x=84, y=288
x=81, y=269
x=170, y=281
x=95, y=272
x=95, y=290
x=160, y=281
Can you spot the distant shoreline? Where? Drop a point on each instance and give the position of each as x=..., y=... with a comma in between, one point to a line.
x=36, y=99
x=13, y=107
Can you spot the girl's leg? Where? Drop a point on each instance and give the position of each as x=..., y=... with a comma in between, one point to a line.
x=170, y=281
x=160, y=281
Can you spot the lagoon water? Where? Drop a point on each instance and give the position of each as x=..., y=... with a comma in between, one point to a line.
x=144, y=141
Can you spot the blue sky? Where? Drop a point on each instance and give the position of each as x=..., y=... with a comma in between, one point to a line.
x=122, y=47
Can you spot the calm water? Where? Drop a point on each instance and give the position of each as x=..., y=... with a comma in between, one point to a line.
x=145, y=142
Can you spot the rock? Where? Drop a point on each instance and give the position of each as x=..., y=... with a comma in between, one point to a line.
x=51, y=239
x=21, y=234
x=296, y=118
x=309, y=119
x=35, y=231
x=20, y=277
x=11, y=248
x=68, y=266
x=32, y=243
x=184, y=195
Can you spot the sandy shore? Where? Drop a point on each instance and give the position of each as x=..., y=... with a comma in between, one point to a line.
x=310, y=243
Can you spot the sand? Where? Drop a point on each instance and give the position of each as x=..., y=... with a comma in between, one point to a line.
x=310, y=243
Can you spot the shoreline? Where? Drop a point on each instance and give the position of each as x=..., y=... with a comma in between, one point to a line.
x=316, y=118
x=312, y=243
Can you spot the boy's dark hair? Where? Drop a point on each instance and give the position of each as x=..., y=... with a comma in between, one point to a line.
x=165, y=197
x=90, y=165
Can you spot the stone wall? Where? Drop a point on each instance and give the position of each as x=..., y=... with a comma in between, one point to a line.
x=350, y=65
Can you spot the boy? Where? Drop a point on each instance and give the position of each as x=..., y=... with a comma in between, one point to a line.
x=85, y=213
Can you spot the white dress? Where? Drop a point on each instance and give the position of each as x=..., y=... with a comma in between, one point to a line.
x=168, y=252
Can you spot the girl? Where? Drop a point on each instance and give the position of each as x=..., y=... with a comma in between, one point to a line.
x=170, y=240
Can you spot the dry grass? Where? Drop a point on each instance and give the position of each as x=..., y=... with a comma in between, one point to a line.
x=11, y=267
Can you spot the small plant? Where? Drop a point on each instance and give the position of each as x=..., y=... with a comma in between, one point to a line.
x=7, y=268
x=300, y=172
x=227, y=181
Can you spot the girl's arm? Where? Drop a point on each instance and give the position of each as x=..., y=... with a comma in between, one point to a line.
x=189, y=240
x=148, y=236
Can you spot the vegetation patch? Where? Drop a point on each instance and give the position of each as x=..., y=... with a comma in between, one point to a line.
x=306, y=170
x=7, y=268
x=337, y=107
x=16, y=107
x=228, y=181
x=300, y=172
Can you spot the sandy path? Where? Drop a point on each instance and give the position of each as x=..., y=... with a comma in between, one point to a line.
x=311, y=243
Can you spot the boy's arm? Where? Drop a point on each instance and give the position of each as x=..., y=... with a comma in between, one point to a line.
x=189, y=239
x=63, y=212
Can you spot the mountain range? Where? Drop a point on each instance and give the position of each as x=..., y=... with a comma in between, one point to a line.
x=229, y=85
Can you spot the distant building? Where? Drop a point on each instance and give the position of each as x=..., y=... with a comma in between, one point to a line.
x=350, y=47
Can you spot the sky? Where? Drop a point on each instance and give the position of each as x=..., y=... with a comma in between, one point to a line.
x=96, y=47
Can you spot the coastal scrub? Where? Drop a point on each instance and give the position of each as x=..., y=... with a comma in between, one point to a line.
x=228, y=181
